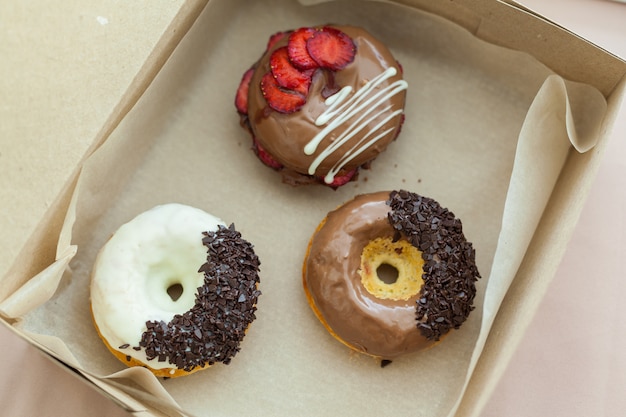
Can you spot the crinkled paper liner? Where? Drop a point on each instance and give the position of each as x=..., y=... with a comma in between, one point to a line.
x=487, y=132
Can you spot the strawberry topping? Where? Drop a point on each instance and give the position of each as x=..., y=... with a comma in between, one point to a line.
x=287, y=75
x=265, y=157
x=286, y=85
x=343, y=179
x=297, y=48
x=402, y=118
x=331, y=48
x=294, y=65
x=241, y=98
x=400, y=67
x=280, y=99
x=275, y=38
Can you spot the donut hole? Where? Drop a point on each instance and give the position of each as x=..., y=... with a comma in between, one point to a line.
x=172, y=281
x=175, y=291
x=391, y=270
x=387, y=273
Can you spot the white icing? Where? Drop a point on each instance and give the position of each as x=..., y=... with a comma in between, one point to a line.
x=158, y=248
x=364, y=103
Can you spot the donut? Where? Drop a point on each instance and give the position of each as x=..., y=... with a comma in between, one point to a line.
x=390, y=273
x=174, y=290
x=321, y=103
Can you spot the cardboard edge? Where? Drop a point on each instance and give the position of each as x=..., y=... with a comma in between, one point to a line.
x=39, y=249
x=169, y=40
x=66, y=368
x=121, y=395
x=532, y=12
x=493, y=22
x=546, y=39
x=538, y=267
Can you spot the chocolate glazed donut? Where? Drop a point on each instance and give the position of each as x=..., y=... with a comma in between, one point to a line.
x=370, y=313
x=320, y=118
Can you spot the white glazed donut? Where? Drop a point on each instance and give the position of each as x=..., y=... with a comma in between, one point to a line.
x=136, y=300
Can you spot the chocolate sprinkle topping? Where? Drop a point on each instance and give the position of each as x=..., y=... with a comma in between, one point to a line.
x=213, y=328
x=450, y=271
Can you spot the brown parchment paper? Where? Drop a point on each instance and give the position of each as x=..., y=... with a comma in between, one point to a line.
x=487, y=132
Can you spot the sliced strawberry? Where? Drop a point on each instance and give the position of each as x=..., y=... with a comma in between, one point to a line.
x=287, y=75
x=275, y=38
x=331, y=48
x=241, y=98
x=278, y=98
x=343, y=179
x=400, y=67
x=298, y=53
x=402, y=118
x=265, y=157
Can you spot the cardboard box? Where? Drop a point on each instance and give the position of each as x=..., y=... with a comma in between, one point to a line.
x=516, y=108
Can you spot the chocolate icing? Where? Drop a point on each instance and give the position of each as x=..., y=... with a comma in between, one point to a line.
x=284, y=136
x=384, y=327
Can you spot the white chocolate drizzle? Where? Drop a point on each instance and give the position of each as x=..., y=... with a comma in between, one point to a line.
x=340, y=110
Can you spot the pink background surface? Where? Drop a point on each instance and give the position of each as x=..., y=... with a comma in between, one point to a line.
x=572, y=360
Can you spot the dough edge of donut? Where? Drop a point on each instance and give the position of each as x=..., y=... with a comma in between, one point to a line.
x=129, y=361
